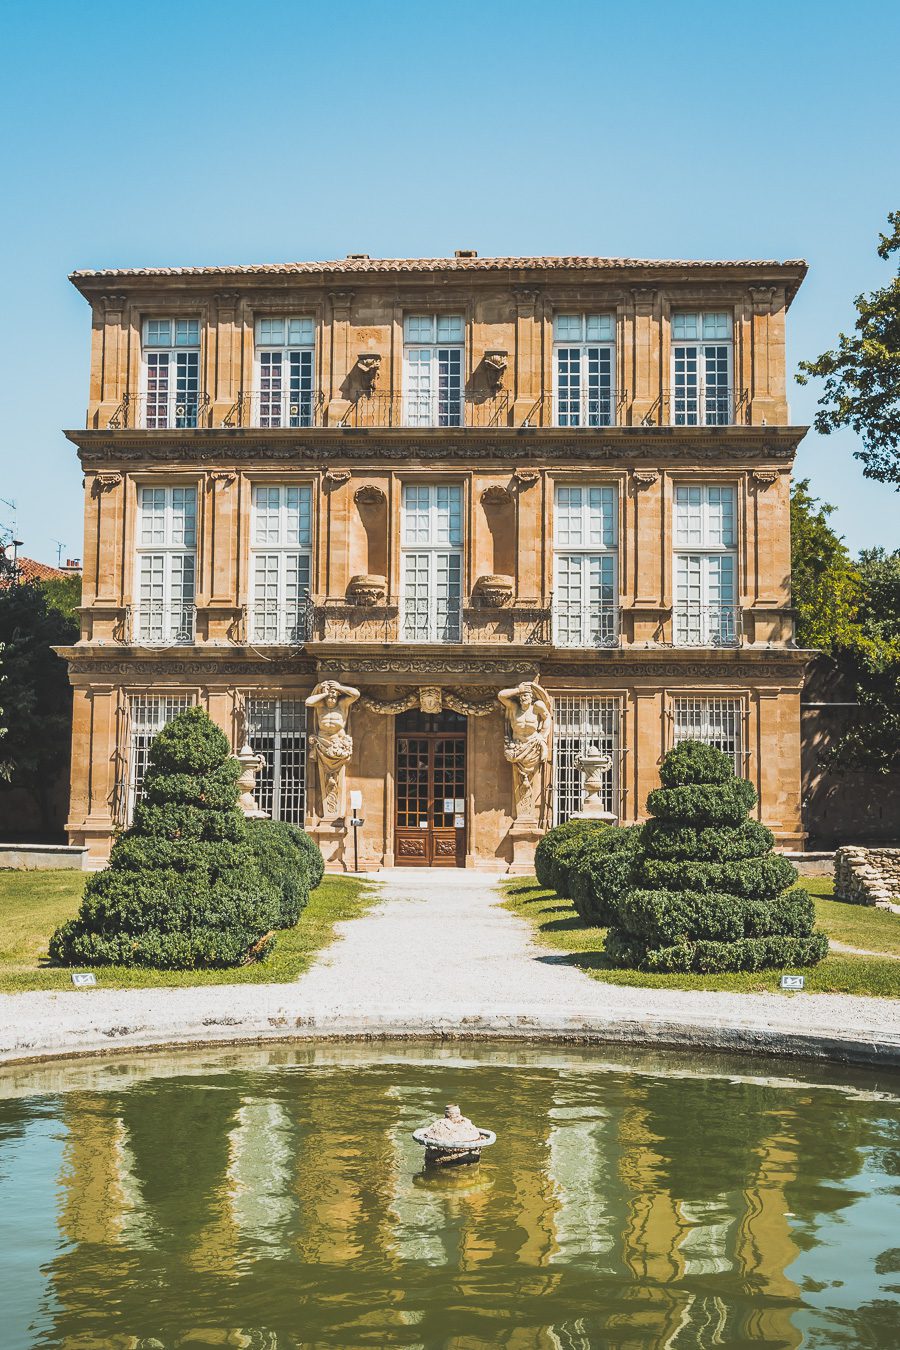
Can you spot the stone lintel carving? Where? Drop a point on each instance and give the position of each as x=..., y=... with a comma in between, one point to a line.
x=494, y=363
x=644, y=299
x=332, y=745
x=105, y=482
x=492, y=591
x=644, y=477
x=762, y=297
x=369, y=495
x=337, y=477
x=763, y=478
x=114, y=304
x=430, y=698
x=529, y=725
x=525, y=477
x=366, y=589
x=368, y=364
x=495, y=495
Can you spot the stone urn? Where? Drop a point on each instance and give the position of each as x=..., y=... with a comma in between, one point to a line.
x=594, y=765
x=493, y=591
x=367, y=589
x=250, y=763
x=453, y=1139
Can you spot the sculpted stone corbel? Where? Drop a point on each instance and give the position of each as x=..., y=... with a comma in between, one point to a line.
x=763, y=478
x=644, y=477
x=336, y=477
x=105, y=482
x=368, y=365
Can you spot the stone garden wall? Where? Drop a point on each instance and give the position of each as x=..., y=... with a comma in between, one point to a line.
x=868, y=876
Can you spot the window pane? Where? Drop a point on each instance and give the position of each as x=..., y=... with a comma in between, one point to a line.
x=159, y=333
x=599, y=327
x=450, y=328
x=716, y=325
x=685, y=325
x=187, y=333
x=418, y=328
x=300, y=333
x=270, y=332
x=568, y=327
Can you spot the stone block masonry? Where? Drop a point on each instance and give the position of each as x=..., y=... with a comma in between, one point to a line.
x=868, y=876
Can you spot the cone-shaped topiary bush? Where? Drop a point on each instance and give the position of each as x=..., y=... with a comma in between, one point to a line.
x=707, y=893
x=183, y=888
x=284, y=854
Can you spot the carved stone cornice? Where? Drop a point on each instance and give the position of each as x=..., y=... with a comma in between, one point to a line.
x=335, y=478
x=644, y=298
x=105, y=482
x=527, y=448
x=644, y=477
x=224, y=476
x=762, y=298
x=763, y=478
x=114, y=304
x=525, y=477
x=143, y=668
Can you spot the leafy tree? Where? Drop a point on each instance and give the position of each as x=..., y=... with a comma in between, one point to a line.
x=862, y=374
x=183, y=888
x=64, y=595
x=707, y=892
x=825, y=583
x=37, y=698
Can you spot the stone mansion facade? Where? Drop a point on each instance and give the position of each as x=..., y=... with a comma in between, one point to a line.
x=400, y=488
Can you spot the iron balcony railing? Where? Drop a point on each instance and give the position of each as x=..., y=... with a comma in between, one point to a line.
x=431, y=620
x=156, y=623
x=600, y=408
x=704, y=406
x=717, y=625
x=587, y=626
x=161, y=411
x=272, y=408
x=453, y=409
x=283, y=625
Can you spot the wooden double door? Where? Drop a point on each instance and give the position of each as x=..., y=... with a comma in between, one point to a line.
x=430, y=824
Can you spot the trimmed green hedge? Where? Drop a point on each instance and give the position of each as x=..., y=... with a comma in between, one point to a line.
x=706, y=893
x=549, y=845
x=283, y=860
x=183, y=888
x=602, y=871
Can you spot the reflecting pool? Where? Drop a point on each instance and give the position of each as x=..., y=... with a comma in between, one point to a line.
x=273, y=1198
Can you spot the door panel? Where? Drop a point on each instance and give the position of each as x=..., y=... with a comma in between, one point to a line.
x=431, y=795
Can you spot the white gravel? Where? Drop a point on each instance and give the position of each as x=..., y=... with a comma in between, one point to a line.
x=439, y=956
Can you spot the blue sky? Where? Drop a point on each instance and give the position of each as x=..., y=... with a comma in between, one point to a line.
x=186, y=133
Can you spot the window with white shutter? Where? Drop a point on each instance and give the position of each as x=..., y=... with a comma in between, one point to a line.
x=171, y=373
x=431, y=562
x=584, y=370
x=285, y=349
x=702, y=393
x=433, y=352
x=165, y=565
x=706, y=612
x=585, y=594
x=280, y=563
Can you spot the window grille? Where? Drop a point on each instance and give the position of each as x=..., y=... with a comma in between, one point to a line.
x=148, y=714
x=714, y=721
x=578, y=724
x=584, y=369
x=276, y=729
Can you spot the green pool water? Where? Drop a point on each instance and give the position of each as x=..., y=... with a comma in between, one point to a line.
x=274, y=1198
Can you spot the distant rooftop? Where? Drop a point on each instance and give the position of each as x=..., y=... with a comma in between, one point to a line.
x=465, y=260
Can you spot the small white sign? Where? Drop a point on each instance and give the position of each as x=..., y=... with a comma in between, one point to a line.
x=355, y=800
x=423, y=824
x=792, y=981
x=459, y=804
x=459, y=822
x=448, y=806
x=82, y=978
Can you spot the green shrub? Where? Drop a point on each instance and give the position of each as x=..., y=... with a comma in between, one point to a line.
x=315, y=863
x=705, y=892
x=183, y=888
x=602, y=871
x=283, y=861
x=549, y=844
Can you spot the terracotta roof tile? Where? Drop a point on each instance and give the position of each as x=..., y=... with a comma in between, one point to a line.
x=353, y=264
x=32, y=570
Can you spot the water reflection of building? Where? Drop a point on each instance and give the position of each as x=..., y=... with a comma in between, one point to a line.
x=605, y=1211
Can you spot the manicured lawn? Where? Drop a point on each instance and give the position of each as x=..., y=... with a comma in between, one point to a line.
x=32, y=904
x=558, y=926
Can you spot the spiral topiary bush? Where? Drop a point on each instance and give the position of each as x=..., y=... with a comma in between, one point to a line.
x=183, y=888
x=601, y=872
x=283, y=859
x=706, y=893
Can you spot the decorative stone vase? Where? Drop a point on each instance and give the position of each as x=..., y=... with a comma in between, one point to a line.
x=250, y=763
x=367, y=590
x=594, y=765
x=493, y=591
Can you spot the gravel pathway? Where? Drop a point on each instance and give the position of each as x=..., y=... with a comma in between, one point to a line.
x=438, y=955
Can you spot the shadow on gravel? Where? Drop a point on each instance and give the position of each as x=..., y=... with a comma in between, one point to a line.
x=581, y=960
x=527, y=890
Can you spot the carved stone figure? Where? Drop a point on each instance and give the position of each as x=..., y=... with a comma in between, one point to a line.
x=332, y=745
x=529, y=724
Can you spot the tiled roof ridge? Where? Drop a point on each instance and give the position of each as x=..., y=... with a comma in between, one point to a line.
x=487, y=264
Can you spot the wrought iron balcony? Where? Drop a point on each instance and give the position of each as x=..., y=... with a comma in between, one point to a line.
x=283, y=625
x=717, y=625
x=161, y=411
x=154, y=623
x=704, y=406
x=603, y=408
x=590, y=626
x=459, y=409
x=270, y=408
